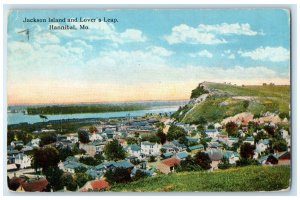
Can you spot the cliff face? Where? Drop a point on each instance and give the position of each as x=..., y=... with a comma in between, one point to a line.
x=217, y=101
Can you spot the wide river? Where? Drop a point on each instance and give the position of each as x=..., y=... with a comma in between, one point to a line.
x=15, y=118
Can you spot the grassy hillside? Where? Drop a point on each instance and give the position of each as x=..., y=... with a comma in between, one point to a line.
x=227, y=100
x=251, y=178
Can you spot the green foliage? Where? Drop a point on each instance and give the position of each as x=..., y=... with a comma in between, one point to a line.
x=175, y=132
x=45, y=158
x=53, y=175
x=231, y=129
x=83, y=137
x=204, y=143
x=160, y=125
x=19, y=147
x=203, y=160
x=248, y=179
x=260, y=135
x=224, y=164
x=68, y=181
x=201, y=128
x=201, y=121
x=80, y=169
x=151, y=138
x=131, y=140
x=89, y=161
x=47, y=138
x=19, y=135
x=210, y=126
x=193, y=133
x=180, y=113
x=279, y=145
x=270, y=98
x=152, y=159
x=189, y=164
x=64, y=152
x=270, y=130
x=52, y=110
x=10, y=137
x=118, y=175
x=283, y=115
x=198, y=91
x=183, y=140
x=161, y=135
x=82, y=178
x=76, y=150
x=163, y=150
x=246, y=104
x=247, y=150
x=139, y=174
x=114, y=151
x=99, y=157
x=242, y=162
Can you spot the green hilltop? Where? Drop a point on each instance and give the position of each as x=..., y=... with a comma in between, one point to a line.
x=225, y=100
x=250, y=178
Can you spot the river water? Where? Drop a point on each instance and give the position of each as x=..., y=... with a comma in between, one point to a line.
x=16, y=118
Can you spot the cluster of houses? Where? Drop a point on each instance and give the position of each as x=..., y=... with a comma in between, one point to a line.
x=149, y=157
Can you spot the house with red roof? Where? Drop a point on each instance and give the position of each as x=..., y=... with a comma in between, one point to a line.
x=95, y=185
x=39, y=185
x=168, y=166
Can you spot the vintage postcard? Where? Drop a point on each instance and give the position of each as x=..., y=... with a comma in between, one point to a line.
x=148, y=100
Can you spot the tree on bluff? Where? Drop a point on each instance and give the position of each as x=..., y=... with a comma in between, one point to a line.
x=198, y=91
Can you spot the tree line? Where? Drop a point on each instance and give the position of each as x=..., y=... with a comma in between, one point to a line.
x=51, y=110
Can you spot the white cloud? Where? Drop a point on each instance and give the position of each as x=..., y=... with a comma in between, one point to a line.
x=203, y=53
x=98, y=31
x=228, y=29
x=46, y=38
x=133, y=35
x=79, y=43
x=274, y=54
x=186, y=34
x=160, y=51
x=227, y=51
x=40, y=71
x=231, y=56
x=207, y=34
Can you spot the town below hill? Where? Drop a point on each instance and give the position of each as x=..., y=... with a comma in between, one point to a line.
x=226, y=138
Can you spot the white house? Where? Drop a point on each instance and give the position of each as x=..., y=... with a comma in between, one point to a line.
x=249, y=140
x=212, y=133
x=149, y=148
x=95, y=136
x=285, y=135
x=35, y=142
x=134, y=150
x=262, y=145
x=73, y=137
x=23, y=160
x=232, y=140
x=218, y=125
x=232, y=156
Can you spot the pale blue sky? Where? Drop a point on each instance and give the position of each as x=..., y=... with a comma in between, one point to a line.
x=159, y=50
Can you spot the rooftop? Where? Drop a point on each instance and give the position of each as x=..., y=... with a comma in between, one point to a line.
x=171, y=162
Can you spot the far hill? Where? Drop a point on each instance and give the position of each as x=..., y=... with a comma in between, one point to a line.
x=216, y=101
